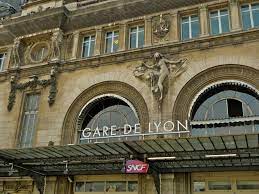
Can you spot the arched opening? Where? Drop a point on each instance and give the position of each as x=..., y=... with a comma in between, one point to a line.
x=102, y=113
x=228, y=107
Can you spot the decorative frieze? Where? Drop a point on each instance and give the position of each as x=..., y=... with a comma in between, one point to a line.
x=33, y=83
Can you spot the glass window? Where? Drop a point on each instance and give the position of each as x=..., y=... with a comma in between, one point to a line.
x=219, y=185
x=112, y=42
x=80, y=187
x=198, y=186
x=88, y=46
x=94, y=186
x=219, y=21
x=190, y=27
x=136, y=37
x=248, y=185
x=133, y=186
x=29, y=120
x=2, y=60
x=118, y=186
x=250, y=15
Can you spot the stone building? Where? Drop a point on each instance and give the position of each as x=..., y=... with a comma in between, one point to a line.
x=87, y=86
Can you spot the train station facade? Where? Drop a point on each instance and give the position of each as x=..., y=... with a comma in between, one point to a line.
x=129, y=97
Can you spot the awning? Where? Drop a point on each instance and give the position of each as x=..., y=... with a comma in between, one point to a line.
x=191, y=154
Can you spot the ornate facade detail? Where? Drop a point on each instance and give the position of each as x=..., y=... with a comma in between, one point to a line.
x=15, y=57
x=56, y=41
x=33, y=83
x=161, y=27
x=157, y=73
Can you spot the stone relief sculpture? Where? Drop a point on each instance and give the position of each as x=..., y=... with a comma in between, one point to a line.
x=16, y=60
x=157, y=72
x=161, y=28
x=56, y=45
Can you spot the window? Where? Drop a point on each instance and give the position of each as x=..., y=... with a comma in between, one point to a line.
x=136, y=37
x=107, y=111
x=250, y=16
x=222, y=109
x=219, y=21
x=2, y=60
x=190, y=27
x=29, y=120
x=248, y=185
x=107, y=186
x=112, y=42
x=219, y=185
x=199, y=186
x=88, y=46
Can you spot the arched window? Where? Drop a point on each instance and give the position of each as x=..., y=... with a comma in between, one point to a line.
x=226, y=108
x=106, y=111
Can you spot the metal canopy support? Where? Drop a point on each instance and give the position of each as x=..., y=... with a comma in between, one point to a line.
x=156, y=176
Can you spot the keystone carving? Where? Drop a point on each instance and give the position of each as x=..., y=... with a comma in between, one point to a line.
x=33, y=83
x=161, y=28
x=156, y=73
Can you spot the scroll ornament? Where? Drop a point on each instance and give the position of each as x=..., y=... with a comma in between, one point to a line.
x=33, y=83
x=156, y=73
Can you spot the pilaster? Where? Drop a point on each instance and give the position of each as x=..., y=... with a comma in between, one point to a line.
x=122, y=37
x=234, y=15
x=174, y=27
x=204, y=21
x=75, y=44
x=98, y=41
x=148, y=31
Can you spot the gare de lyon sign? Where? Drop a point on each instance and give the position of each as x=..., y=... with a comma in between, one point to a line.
x=154, y=128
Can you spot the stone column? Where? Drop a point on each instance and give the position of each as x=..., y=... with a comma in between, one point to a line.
x=75, y=44
x=234, y=15
x=123, y=37
x=174, y=27
x=204, y=20
x=148, y=31
x=98, y=41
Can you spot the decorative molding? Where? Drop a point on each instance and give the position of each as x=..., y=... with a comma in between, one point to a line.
x=33, y=83
x=157, y=73
x=161, y=27
x=112, y=87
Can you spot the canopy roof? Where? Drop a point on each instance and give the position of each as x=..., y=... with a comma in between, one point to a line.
x=191, y=154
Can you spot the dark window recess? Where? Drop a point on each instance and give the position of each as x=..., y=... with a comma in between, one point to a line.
x=235, y=108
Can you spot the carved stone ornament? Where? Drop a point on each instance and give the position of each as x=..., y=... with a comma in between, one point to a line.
x=15, y=57
x=56, y=41
x=37, y=52
x=161, y=28
x=33, y=83
x=156, y=73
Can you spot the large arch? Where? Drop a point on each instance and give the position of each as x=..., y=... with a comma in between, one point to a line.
x=124, y=90
x=193, y=87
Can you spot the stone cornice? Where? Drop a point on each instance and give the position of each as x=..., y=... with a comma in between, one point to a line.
x=138, y=54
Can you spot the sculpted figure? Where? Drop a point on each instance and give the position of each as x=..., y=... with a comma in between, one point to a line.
x=15, y=54
x=158, y=72
x=56, y=46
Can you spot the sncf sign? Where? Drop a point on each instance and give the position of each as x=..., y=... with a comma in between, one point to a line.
x=136, y=167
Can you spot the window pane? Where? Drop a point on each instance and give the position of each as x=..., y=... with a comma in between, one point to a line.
x=94, y=186
x=115, y=44
x=194, y=18
x=224, y=12
x=235, y=108
x=214, y=26
x=225, y=24
x=245, y=8
x=185, y=19
x=214, y=14
x=219, y=185
x=141, y=39
x=248, y=185
x=246, y=20
x=85, y=49
x=195, y=29
x=185, y=31
x=198, y=186
x=92, y=46
x=220, y=110
x=256, y=18
x=116, y=186
x=80, y=187
x=133, y=186
x=108, y=45
x=133, y=38
x=133, y=30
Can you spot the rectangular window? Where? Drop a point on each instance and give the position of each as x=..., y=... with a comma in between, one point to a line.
x=219, y=21
x=29, y=120
x=2, y=60
x=248, y=185
x=190, y=27
x=136, y=37
x=219, y=185
x=88, y=46
x=250, y=16
x=111, y=42
x=199, y=186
